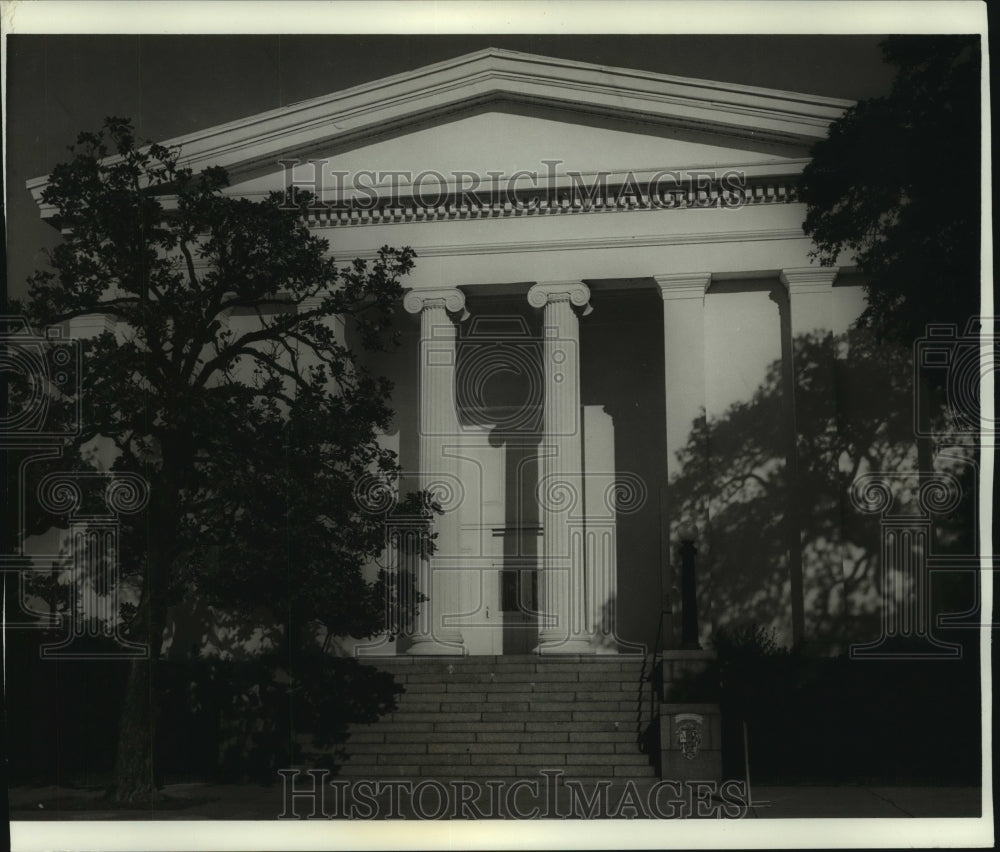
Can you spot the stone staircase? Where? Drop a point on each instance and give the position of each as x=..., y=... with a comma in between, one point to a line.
x=507, y=718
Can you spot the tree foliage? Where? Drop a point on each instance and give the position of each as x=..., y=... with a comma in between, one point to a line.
x=227, y=384
x=896, y=185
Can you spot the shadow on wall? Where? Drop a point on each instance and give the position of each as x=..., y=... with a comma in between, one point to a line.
x=761, y=504
x=622, y=371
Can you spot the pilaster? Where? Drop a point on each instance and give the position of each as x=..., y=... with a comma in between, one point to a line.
x=812, y=438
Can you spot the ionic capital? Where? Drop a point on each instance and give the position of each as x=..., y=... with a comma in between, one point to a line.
x=574, y=292
x=683, y=285
x=448, y=298
x=809, y=279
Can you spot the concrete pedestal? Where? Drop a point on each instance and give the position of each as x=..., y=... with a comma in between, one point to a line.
x=678, y=671
x=690, y=722
x=690, y=742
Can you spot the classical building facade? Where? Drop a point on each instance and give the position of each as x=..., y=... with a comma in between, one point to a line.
x=644, y=411
x=611, y=270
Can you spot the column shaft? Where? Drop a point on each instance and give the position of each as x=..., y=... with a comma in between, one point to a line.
x=438, y=427
x=563, y=591
x=814, y=542
x=683, y=297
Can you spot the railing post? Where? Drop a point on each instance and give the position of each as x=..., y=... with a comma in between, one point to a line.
x=689, y=589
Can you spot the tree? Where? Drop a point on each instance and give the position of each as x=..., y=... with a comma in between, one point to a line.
x=896, y=184
x=251, y=434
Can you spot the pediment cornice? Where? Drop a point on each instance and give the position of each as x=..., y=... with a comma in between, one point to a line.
x=352, y=116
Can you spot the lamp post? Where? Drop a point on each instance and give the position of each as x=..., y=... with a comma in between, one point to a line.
x=688, y=535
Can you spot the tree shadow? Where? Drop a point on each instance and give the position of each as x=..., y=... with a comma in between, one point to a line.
x=778, y=469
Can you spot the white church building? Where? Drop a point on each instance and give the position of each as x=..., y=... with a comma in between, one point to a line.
x=608, y=260
x=618, y=355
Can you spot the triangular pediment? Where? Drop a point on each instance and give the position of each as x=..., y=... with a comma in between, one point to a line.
x=501, y=110
x=517, y=144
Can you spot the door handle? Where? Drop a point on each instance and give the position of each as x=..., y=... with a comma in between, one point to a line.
x=487, y=613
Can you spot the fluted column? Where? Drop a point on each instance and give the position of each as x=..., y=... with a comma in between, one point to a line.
x=562, y=585
x=438, y=427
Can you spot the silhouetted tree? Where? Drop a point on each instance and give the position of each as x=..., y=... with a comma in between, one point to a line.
x=875, y=189
x=897, y=185
x=251, y=435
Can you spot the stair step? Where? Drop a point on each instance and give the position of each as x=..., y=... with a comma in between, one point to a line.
x=506, y=725
x=516, y=710
x=564, y=684
x=355, y=748
x=573, y=729
x=504, y=676
x=459, y=770
x=491, y=661
x=501, y=753
x=577, y=736
x=507, y=676
x=522, y=737
x=431, y=759
x=567, y=748
x=458, y=700
x=608, y=759
x=441, y=737
x=486, y=748
x=386, y=725
x=587, y=775
x=588, y=726
x=540, y=747
x=496, y=718
x=614, y=785
x=435, y=716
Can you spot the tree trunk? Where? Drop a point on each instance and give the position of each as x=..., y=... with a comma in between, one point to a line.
x=135, y=772
x=293, y=651
x=134, y=768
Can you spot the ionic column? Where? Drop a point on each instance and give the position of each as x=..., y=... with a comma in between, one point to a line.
x=812, y=424
x=562, y=585
x=438, y=425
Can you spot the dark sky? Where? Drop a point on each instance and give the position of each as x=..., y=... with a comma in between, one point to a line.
x=171, y=85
